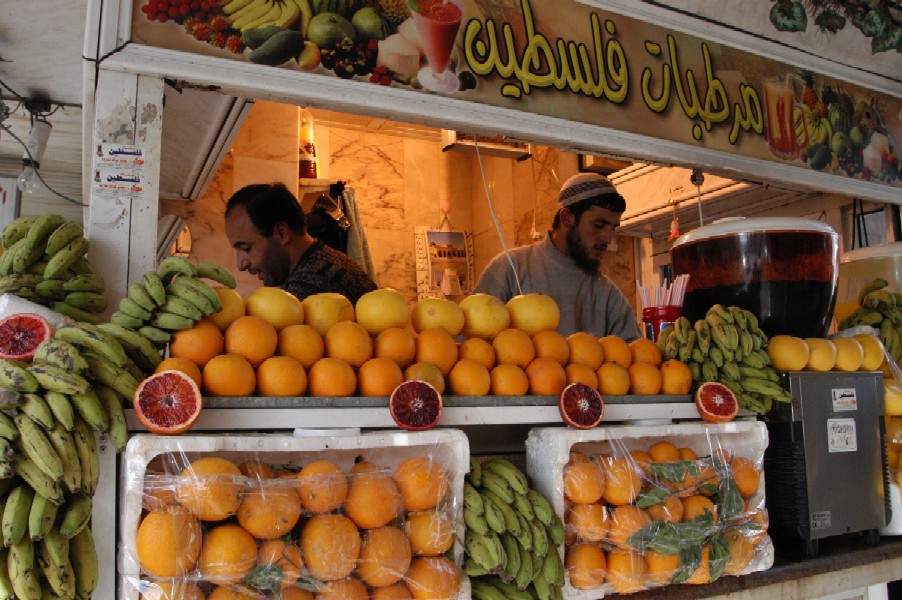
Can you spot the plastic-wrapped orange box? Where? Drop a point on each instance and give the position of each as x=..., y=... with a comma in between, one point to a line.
x=343, y=516
x=647, y=506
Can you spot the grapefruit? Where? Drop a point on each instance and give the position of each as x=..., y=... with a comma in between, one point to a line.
x=533, y=313
x=275, y=305
x=849, y=354
x=429, y=313
x=323, y=310
x=415, y=405
x=716, y=402
x=168, y=402
x=788, y=352
x=484, y=316
x=581, y=406
x=380, y=309
x=21, y=333
x=873, y=351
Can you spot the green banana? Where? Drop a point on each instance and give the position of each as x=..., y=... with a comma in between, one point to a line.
x=88, y=457
x=9, y=254
x=672, y=345
x=473, y=569
x=8, y=430
x=483, y=551
x=127, y=321
x=181, y=307
x=198, y=286
x=41, y=228
x=215, y=272
x=11, y=399
x=89, y=282
x=540, y=507
x=83, y=556
x=509, y=471
x=55, y=379
x=473, y=499
x=16, y=230
x=15, y=282
x=59, y=577
x=512, y=590
x=540, y=542
x=483, y=590
x=731, y=370
x=474, y=522
x=524, y=506
x=76, y=314
x=474, y=476
x=721, y=311
x=498, y=485
x=6, y=450
x=34, y=442
x=754, y=359
x=62, y=410
x=14, y=375
x=110, y=375
x=138, y=347
x=760, y=386
x=511, y=522
x=540, y=586
x=37, y=268
x=878, y=283
x=76, y=514
x=64, y=444
x=41, y=517
x=512, y=556
x=494, y=518
x=702, y=336
x=62, y=235
x=171, y=266
x=6, y=585
x=553, y=570
x=685, y=351
x=140, y=296
x=61, y=261
x=94, y=302
x=38, y=410
x=14, y=522
x=155, y=334
x=54, y=547
x=90, y=410
x=51, y=289
x=524, y=537
x=170, y=321
x=94, y=339
x=21, y=563
x=747, y=372
x=556, y=530
x=118, y=427
x=153, y=285
x=526, y=572
x=129, y=307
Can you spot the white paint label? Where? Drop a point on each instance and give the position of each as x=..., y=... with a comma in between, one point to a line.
x=841, y=435
x=821, y=521
x=118, y=170
x=844, y=399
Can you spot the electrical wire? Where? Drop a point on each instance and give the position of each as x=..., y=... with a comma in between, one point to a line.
x=488, y=198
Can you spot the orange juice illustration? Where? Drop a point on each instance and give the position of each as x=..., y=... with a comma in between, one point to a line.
x=437, y=22
x=779, y=102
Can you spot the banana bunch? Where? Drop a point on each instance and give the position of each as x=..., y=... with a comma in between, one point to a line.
x=727, y=346
x=257, y=14
x=513, y=535
x=44, y=261
x=881, y=309
x=172, y=298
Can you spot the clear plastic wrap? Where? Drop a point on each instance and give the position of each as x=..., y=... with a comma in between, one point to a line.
x=647, y=506
x=268, y=516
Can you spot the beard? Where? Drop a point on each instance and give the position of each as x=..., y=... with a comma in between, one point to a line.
x=577, y=251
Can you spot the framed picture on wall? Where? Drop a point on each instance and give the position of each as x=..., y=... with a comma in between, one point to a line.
x=444, y=261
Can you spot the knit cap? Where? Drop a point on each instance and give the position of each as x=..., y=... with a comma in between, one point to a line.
x=583, y=186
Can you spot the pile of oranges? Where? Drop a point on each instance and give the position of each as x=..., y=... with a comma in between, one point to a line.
x=224, y=530
x=628, y=515
x=324, y=346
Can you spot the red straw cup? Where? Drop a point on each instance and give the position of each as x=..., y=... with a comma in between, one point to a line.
x=657, y=318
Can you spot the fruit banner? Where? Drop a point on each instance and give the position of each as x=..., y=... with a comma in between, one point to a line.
x=560, y=59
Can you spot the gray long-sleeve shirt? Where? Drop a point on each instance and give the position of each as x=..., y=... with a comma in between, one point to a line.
x=590, y=303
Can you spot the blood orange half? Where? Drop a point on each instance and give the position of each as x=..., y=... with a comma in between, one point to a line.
x=415, y=405
x=581, y=406
x=168, y=402
x=21, y=333
x=716, y=402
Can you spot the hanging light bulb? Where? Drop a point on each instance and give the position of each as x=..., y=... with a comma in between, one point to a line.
x=28, y=181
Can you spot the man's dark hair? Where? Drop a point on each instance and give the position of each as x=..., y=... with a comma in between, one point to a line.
x=267, y=204
x=611, y=201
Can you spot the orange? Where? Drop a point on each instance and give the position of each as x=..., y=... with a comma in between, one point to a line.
x=586, y=566
x=645, y=379
x=322, y=486
x=613, y=379
x=663, y=452
x=746, y=476
x=396, y=344
x=228, y=592
x=625, y=521
x=229, y=375
x=616, y=350
x=584, y=481
x=210, y=488
x=183, y=364
x=671, y=510
x=255, y=469
x=380, y=309
x=252, y=337
x=172, y=589
x=384, y=557
x=373, y=498
x=343, y=589
x=427, y=372
x=228, y=554
x=513, y=347
x=281, y=376
x=552, y=344
x=378, y=377
x=422, y=481
x=330, y=544
x=546, y=377
x=479, y=350
x=397, y=591
x=688, y=454
x=645, y=350
x=350, y=342
x=590, y=522
x=509, y=380
x=331, y=377
x=433, y=578
x=623, y=481
x=431, y=532
x=660, y=568
x=626, y=571
x=281, y=559
x=269, y=509
x=742, y=550
x=642, y=459
x=469, y=377
x=436, y=346
x=585, y=349
x=275, y=305
x=233, y=306
x=198, y=344
x=676, y=378
x=294, y=593
x=702, y=574
x=168, y=543
x=302, y=343
x=577, y=372
x=698, y=505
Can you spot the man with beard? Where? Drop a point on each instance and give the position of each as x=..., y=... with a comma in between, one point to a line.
x=266, y=227
x=565, y=265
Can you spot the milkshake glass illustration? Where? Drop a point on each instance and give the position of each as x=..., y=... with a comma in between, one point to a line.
x=437, y=22
x=779, y=102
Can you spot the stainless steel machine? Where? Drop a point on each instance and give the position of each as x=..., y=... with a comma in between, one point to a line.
x=825, y=465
